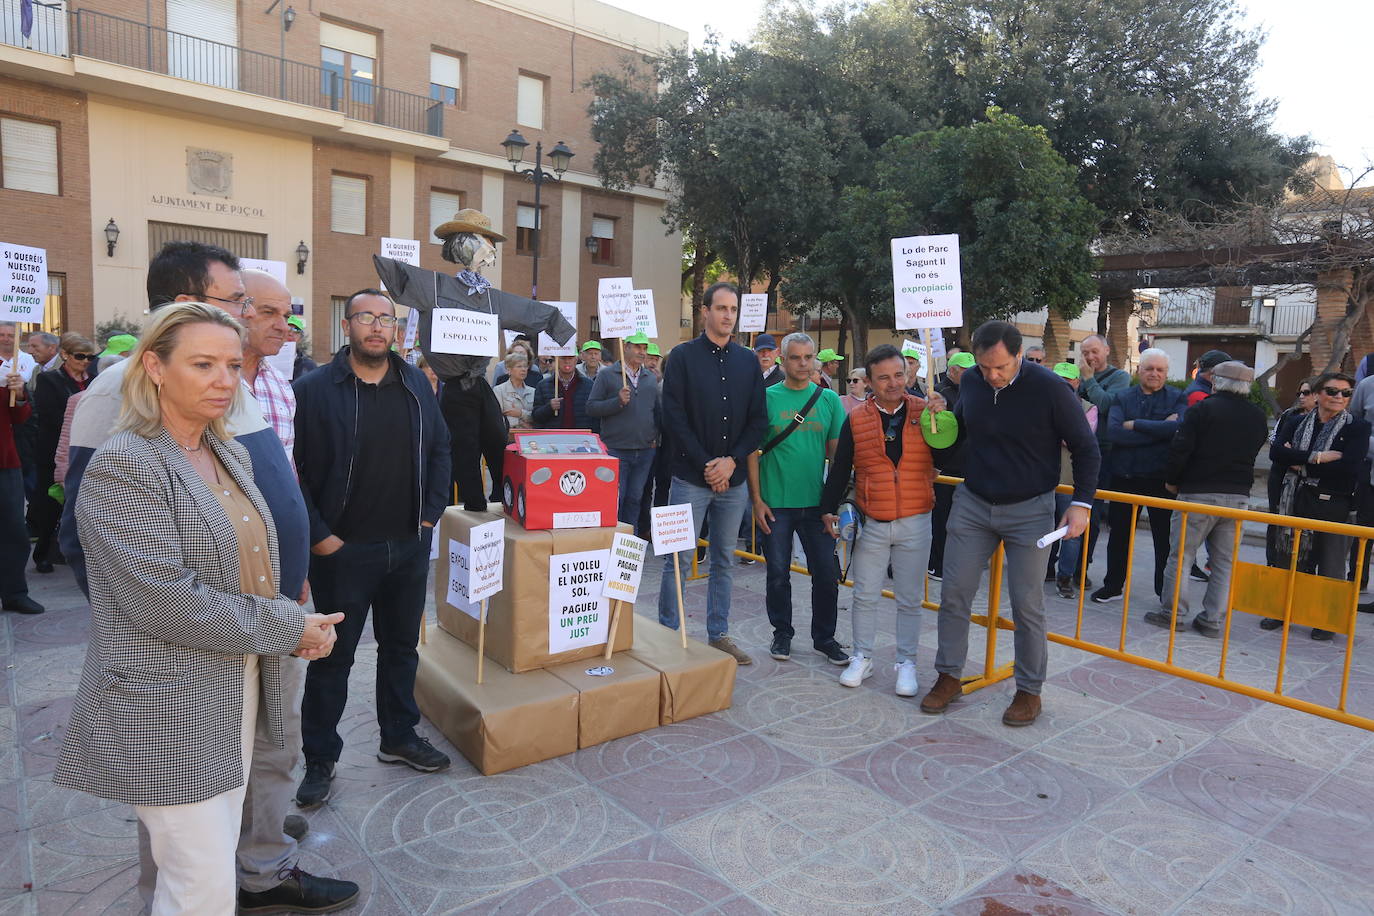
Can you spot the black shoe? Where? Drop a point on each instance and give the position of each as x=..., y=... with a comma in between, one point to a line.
x=42, y=566
x=299, y=892
x=416, y=753
x=1270, y=623
x=781, y=649
x=295, y=827
x=1197, y=575
x=1322, y=635
x=747, y=561
x=935, y=575
x=1164, y=619
x=1366, y=608
x=23, y=605
x=833, y=652
x=1065, y=587
x=315, y=787
x=1105, y=594
x=1206, y=629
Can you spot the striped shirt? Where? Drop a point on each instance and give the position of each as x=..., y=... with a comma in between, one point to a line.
x=278, y=403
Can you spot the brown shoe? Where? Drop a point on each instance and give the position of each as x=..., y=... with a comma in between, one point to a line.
x=1024, y=709
x=727, y=645
x=946, y=689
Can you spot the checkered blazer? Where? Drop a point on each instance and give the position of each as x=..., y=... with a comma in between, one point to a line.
x=158, y=714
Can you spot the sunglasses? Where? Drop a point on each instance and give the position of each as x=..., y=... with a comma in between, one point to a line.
x=1338, y=392
x=855, y=380
x=83, y=357
x=1034, y=359
x=1305, y=393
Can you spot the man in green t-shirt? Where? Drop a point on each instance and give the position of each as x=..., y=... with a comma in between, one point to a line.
x=785, y=480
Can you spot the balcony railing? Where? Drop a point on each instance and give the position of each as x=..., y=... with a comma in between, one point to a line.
x=1284, y=319
x=133, y=44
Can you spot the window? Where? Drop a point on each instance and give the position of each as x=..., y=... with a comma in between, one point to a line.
x=55, y=308
x=529, y=102
x=337, y=338
x=603, y=230
x=526, y=225
x=442, y=206
x=349, y=61
x=348, y=204
x=242, y=244
x=445, y=77
x=28, y=156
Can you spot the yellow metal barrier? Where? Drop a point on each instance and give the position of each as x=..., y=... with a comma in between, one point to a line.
x=1284, y=594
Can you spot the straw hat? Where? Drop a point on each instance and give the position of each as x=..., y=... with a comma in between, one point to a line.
x=469, y=220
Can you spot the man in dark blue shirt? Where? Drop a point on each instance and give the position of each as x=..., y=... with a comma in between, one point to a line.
x=1013, y=416
x=714, y=417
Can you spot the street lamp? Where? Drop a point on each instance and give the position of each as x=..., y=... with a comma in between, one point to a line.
x=302, y=255
x=559, y=157
x=111, y=237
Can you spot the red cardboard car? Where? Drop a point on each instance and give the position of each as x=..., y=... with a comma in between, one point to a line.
x=560, y=479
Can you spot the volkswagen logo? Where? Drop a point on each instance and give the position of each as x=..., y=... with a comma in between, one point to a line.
x=572, y=482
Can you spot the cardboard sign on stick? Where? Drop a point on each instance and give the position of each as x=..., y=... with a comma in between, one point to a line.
x=488, y=546
x=927, y=291
x=627, y=565
x=459, y=563
x=646, y=321
x=753, y=312
x=672, y=528
x=616, y=306
x=464, y=332
x=23, y=284
x=577, y=604
x=275, y=269
x=550, y=347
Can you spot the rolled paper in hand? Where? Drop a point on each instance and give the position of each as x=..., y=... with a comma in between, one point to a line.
x=1053, y=536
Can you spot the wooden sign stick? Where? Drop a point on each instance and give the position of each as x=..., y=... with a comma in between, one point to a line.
x=14, y=364
x=681, y=610
x=481, y=636
x=624, y=379
x=930, y=378
x=615, y=621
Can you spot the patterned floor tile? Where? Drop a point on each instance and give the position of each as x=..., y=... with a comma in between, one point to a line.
x=746, y=843
x=861, y=719
x=1333, y=825
x=651, y=875
x=41, y=727
x=1320, y=743
x=14, y=852
x=922, y=764
x=667, y=793
x=48, y=673
x=85, y=844
x=1197, y=705
x=1062, y=710
x=457, y=868
x=1018, y=891
x=618, y=757
x=49, y=804
x=827, y=884
x=1110, y=680
x=109, y=891
x=1268, y=879
x=568, y=828
x=11, y=766
x=935, y=863
x=1123, y=747
x=545, y=897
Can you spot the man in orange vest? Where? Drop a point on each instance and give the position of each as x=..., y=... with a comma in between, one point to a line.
x=886, y=442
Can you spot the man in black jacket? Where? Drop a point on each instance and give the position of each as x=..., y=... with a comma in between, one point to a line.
x=372, y=453
x=1212, y=462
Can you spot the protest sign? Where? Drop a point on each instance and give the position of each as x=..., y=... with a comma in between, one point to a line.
x=459, y=561
x=646, y=321
x=412, y=331
x=488, y=548
x=284, y=361
x=577, y=606
x=926, y=287
x=627, y=565
x=23, y=284
x=672, y=528
x=753, y=312
x=464, y=332
x=407, y=251
x=615, y=306
x=550, y=347
x=275, y=269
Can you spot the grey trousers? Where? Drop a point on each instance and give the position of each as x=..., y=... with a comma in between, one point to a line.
x=905, y=544
x=1220, y=535
x=975, y=529
x=263, y=847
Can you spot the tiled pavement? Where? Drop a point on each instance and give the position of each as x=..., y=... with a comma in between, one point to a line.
x=1135, y=793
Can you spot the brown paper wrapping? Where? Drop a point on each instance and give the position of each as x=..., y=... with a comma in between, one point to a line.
x=696, y=680
x=507, y=722
x=518, y=615
x=614, y=705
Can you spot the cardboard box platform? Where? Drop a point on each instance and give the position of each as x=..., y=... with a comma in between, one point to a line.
x=614, y=705
x=696, y=680
x=518, y=615
x=507, y=722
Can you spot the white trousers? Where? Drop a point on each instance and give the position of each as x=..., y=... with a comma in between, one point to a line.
x=193, y=845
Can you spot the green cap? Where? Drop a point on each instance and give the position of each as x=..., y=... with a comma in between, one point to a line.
x=911, y=351
x=119, y=345
x=591, y=345
x=962, y=360
x=946, y=434
x=297, y=322
x=828, y=356
x=653, y=350
x=1066, y=370
x=638, y=337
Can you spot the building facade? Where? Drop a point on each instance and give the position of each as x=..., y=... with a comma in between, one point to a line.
x=307, y=135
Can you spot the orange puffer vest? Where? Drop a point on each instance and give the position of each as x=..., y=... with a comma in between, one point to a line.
x=885, y=492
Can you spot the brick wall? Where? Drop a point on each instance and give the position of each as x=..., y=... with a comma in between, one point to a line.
x=620, y=208
x=440, y=175
x=60, y=223
x=517, y=272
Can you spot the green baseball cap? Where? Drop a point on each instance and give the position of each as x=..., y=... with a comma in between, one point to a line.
x=638, y=337
x=912, y=352
x=591, y=345
x=828, y=356
x=119, y=345
x=297, y=322
x=1066, y=370
x=947, y=432
x=962, y=360
x=653, y=350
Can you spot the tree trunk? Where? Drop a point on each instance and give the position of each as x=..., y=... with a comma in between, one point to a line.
x=1102, y=316
x=703, y=258
x=858, y=325
x=844, y=330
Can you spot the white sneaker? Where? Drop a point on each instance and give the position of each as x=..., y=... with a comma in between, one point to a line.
x=906, y=678
x=860, y=668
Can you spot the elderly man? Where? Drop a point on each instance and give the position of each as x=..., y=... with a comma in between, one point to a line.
x=829, y=362
x=267, y=333
x=43, y=348
x=592, y=360
x=1100, y=381
x=1140, y=423
x=560, y=399
x=1035, y=355
x=1200, y=388
x=766, y=349
x=626, y=403
x=1211, y=462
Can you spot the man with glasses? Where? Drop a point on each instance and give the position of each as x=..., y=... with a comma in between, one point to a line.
x=195, y=272
x=372, y=452
x=1035, y=355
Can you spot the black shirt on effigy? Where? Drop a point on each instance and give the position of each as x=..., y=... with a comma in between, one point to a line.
x=382, y=492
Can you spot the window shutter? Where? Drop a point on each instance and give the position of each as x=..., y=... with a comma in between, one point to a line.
x=444, y=69
x=363, y=44
x=442, y=206
x=348, y=204
x=603, y=228
x=524, y=217
x=529, y=103
x=30, y=156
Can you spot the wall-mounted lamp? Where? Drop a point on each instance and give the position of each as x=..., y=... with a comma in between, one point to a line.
x=288, y=17
x=592, y=245
x=302, y=255
x=111, y=236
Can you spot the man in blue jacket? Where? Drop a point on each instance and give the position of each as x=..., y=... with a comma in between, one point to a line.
x=1140, y=424
x=372, y=454
x=560, y=399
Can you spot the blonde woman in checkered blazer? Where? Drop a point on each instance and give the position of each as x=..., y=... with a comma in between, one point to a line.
x=187, y=625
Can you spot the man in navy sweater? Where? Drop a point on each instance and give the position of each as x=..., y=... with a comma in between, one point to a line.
x=1013, y=415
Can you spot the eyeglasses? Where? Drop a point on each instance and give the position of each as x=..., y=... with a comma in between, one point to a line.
x=367, y=319
x=1035, y=359
x=81, y=356
x=1338, y=392
x=245, y=304
x=854, y=380
x=1306, y=393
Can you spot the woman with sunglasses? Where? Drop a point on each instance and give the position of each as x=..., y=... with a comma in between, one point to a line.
x=856, y=390
x=1307, y=399
x=50, y=394
x=1322, y=452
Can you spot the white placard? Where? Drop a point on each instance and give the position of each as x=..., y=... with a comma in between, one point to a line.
x=509, y=337
x=23, y=284
x=550, y=347
x=458, y=562
x=464, y=332
x=646, y=322
x=488, y=546
x=672, y=528
x=577, y=606
x=753, y=312
x=284, y=362
x=615, y=304
x=577, y=519
x=275, y=269
x=407, y=251
x=927, y=291
x=626, y=567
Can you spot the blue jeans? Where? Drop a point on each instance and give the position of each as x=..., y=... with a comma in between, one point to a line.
x=14, y=536
x=819, y=548
x=635, y=465
x=389, y=578
x=1070, y=550
x=725, y=510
